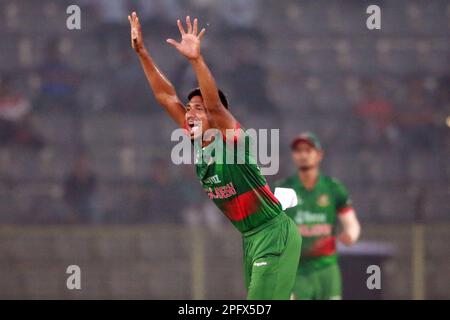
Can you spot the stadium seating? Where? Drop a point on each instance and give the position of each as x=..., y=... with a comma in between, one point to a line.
x=315, y=76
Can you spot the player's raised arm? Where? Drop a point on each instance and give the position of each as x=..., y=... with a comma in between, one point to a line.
x=163, y=90
x=189, y=46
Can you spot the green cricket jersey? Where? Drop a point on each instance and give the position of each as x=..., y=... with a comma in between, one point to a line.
x=316, y=217
x=238, y=188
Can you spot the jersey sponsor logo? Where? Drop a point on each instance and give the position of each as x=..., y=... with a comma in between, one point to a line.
x=213, y=179
x=315, y=230
x=221, y=192
x=310, y=217
x=260, y=264
x=323, y=200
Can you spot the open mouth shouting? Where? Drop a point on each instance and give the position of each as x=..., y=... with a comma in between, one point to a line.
x=194, y=126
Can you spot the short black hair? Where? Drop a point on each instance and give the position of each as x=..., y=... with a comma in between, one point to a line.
x=197, y=92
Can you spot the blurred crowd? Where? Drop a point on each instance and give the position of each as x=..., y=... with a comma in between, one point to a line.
x=79, y=127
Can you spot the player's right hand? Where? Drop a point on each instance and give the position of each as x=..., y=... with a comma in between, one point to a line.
x=136, y=34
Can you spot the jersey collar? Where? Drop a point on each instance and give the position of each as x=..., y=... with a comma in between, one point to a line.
x=299, y=183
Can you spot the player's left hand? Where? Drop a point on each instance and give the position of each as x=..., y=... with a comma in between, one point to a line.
x=189, y=46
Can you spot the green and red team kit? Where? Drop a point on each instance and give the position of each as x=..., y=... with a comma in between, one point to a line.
x=271, y=242
x=316, y=214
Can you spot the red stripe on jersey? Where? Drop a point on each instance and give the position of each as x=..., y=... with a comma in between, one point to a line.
x=269, y=193
x=323, y=247
x=247, y=203
x=345, y=210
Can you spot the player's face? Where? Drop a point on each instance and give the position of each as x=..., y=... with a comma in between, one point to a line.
x=196, y=117
x=305, y=156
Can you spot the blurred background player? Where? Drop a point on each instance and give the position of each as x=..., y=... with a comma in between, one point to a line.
x=322, y=202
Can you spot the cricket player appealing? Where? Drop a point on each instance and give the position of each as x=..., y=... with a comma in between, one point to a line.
x=321, y=201
x=271, y=242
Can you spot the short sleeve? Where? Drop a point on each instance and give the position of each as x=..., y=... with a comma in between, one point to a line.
x=342, y=197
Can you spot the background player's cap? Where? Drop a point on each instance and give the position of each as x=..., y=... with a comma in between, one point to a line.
x=309, y=138
x=196, y=92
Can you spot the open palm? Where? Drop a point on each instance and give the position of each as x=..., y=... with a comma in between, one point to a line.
x=137, y=43
x=189, y=46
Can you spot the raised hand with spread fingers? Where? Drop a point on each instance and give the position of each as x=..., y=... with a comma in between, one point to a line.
x=163, y=90
x=189, y=45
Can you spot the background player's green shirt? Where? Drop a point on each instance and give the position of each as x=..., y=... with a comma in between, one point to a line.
x=238, y=189
x=316, y=217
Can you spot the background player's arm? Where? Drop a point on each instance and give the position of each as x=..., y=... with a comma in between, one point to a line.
x=189, y=46
x=163, y=90
x=351, y=228
x=346, y=214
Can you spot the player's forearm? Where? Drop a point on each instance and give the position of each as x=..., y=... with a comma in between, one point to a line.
x=162, y=88
x=207, y=84
x=351, y=228
x=350, y=234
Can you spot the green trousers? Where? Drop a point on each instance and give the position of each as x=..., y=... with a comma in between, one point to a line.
x=322, y=284
x=271, y=257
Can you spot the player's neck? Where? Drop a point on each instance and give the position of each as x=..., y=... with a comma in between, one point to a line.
x=309, y=177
